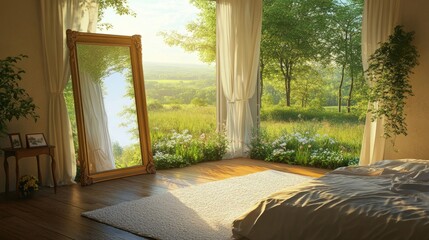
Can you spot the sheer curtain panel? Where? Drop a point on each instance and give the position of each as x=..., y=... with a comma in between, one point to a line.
x=56, y=17
x=379, y=19
x=238, y=36
x=100, y=152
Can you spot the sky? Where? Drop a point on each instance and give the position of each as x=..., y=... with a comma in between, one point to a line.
x=152, y=17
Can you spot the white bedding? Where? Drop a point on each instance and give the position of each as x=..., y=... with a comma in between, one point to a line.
x=388, y=200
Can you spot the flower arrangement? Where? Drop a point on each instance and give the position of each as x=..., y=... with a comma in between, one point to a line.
x=27, y=185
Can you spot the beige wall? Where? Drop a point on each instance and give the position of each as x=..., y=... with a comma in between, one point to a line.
x=20, y=33
x=416, y=144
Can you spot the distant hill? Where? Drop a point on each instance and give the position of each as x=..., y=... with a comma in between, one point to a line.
x=177, y=71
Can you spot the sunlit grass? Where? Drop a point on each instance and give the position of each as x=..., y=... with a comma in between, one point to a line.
x=169, y=81
x=349, y=134
x=199, y=120
x=196, y=119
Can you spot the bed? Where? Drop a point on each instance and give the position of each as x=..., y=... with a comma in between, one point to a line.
x=387, y=200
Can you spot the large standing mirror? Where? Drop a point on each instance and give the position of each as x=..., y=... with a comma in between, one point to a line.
x=110, y=106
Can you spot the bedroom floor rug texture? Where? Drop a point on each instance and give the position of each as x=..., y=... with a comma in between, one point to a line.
x=204, y=211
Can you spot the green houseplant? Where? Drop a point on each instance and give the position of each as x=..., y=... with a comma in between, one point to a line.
x=389, y=69
x=14, y=100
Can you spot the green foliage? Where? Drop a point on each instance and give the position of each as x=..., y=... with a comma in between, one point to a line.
x=308, y=87
x=14, y=100
x=344, y=47
x=302, y=147
x=293, y=34
x=102, y=61
x=117, y=150
x=154, y=106
x=166, y=160
x=197, y=120
x=201, y=36
x=259, y=146
x=120, y=6
x=295, y=114
x=198, y=102
x=326, y=158
x=342, y=137
x=181, y=91
x=182, y=149
x=131, y=156
x=389, y=69
x=175, y=71
x=296, y=35
x=213, y=148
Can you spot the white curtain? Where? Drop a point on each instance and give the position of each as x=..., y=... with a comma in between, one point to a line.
x=100, y=152
x=56, y=17
x=238, y=36
x=379, y=19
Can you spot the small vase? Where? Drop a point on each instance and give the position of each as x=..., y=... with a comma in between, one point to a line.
x=25, y=195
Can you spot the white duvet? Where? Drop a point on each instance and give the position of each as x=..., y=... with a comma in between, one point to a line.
x=388, y=200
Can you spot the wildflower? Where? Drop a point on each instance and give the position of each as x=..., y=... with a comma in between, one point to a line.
x=202, y=136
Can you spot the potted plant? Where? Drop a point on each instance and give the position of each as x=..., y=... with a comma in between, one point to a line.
x=389, y=69
x=27, y=185
x=14, y=100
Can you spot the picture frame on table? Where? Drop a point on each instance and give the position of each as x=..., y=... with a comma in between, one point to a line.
x=35, y=140
x=15, y=140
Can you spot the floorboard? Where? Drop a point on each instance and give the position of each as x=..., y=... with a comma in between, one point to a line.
x=58, y=216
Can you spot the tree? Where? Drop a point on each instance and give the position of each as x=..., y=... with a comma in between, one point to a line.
x=345, y=29
x=201, y=33
x=121, y=8
x=308, y=86
x=293, y=33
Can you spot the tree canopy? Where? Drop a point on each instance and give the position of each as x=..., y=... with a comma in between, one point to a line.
x=201, y=33
x=120, y=7
x=300, y=38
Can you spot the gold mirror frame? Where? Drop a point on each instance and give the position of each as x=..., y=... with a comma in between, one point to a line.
x=134, y=43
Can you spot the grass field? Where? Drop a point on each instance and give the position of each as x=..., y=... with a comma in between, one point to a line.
x=347, y=134
x=196, y=119
x=162, y=81
x=199, y=120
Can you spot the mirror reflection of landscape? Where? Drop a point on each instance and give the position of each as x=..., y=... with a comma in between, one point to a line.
x=109, y=107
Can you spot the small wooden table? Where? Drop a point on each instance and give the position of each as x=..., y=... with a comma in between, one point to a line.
x=19, y=153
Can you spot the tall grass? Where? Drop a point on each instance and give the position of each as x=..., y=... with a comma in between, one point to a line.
x=348, y=134
x=196, y=119
x=305, y=137
x=276, y=113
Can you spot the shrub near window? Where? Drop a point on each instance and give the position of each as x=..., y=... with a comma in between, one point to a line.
x=305, y=148
x=182, y=149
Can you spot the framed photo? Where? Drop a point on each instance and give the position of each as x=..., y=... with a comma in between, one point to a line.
x=15, y=140
x=36, y=140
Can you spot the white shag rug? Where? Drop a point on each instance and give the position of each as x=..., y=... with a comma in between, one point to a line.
x=204, y=211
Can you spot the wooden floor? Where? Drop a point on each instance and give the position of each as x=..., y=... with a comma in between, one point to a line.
x=57, y=216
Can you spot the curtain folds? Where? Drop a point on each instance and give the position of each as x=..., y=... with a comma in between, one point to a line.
x=379, y=19
x=238, y=36
x=56, y=17
x=100, y=152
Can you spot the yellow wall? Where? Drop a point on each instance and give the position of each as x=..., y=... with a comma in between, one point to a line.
x=20, y=33
x=416, y=144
